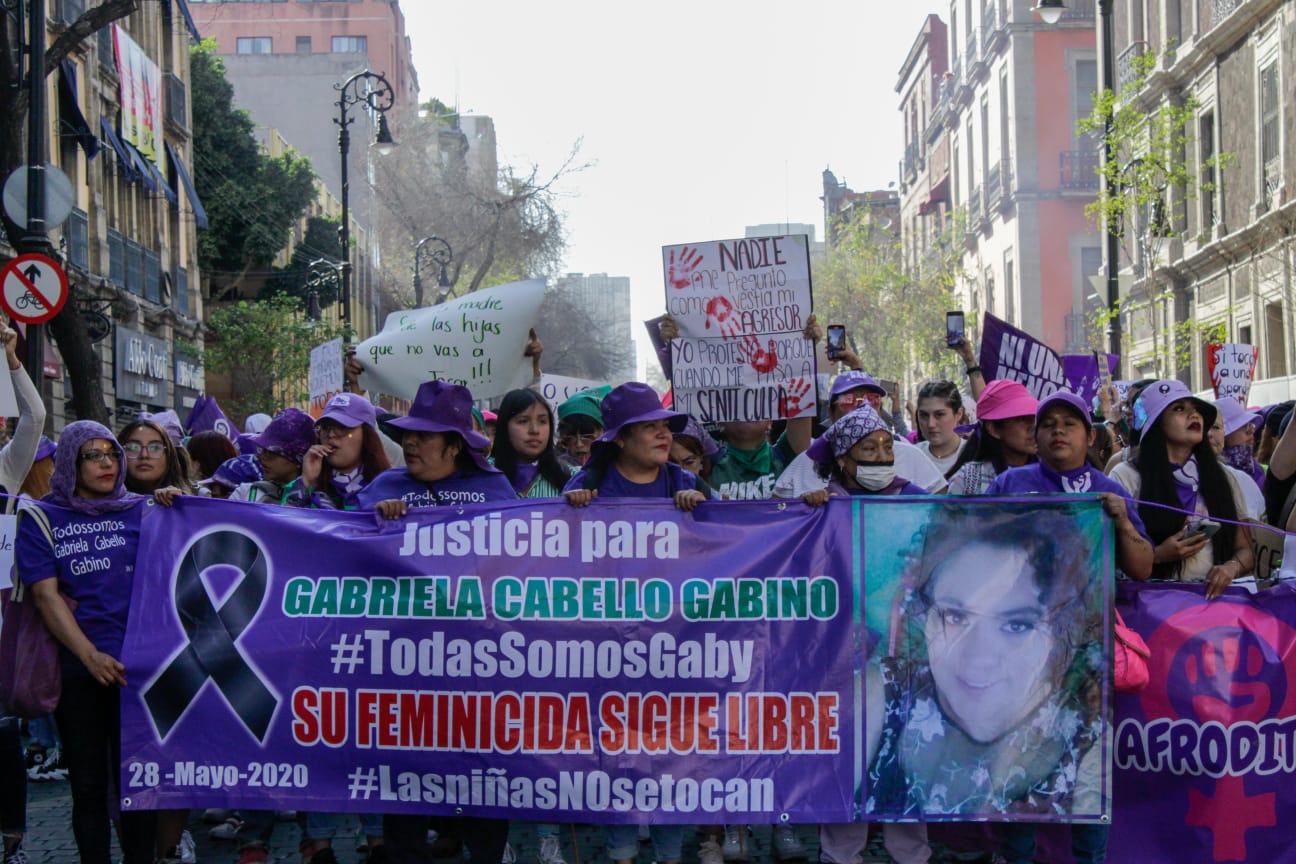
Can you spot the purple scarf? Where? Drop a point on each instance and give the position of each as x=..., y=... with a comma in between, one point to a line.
x=1241, y=457
x=524, y=475
x=1074, y=481
x=67, y=462
x=1187, y=478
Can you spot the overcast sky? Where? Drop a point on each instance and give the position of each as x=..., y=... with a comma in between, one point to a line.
x=701, y=117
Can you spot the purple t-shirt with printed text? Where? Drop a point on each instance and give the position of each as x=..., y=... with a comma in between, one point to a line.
x=93, y=558
x=458, y=488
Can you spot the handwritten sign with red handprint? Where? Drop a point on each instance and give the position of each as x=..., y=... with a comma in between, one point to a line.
x=740, y=308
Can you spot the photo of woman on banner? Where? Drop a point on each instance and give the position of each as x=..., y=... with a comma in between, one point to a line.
x=989, y=699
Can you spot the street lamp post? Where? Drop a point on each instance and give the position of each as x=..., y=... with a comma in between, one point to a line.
x=321, y=275
x=438, y=252
x=373, y=90
x=1051, y=12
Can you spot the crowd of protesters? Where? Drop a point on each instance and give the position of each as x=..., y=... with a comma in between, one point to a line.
x=1163, y=461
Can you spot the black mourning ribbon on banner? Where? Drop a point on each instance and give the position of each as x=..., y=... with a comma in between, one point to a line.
x=211, y=652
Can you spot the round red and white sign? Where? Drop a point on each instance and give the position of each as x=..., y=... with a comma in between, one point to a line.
x=33, y=288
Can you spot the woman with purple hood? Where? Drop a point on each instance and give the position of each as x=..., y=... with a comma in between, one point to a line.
x=80, y=541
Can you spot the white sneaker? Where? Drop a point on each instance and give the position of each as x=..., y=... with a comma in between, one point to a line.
x=510, y=857
x=551, y=850
x=50, y=767
x=787, y=846
x=736, y=847
x=709, y=853
x=227, y=830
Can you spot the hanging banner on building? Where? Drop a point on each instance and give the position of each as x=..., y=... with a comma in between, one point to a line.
x=1015, y=355
x=476, y=340
x=609, y=664
x=326, y=378
x=1232, y=367
x=741, y=308
x=141, y=96
x=1204, y=756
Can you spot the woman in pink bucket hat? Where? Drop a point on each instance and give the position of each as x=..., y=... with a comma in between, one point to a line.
x=1004, y=437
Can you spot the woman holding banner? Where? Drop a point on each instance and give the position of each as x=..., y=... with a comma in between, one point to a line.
x=1175, y=474
x=97, y=523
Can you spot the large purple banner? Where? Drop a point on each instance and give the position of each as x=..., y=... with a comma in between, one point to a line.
x=867, y=660
x=1205, y=756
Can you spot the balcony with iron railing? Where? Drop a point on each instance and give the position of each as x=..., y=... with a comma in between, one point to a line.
x=911, y=162
x=972, y=52
x=1213, y=12
x=993, y=33
x=994, y=188
x=975, y=209
x=78, y=240
x=1078, y=171
x=1127, y=70
x=177, y=114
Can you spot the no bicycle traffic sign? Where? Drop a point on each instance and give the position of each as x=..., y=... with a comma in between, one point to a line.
x=33, y=288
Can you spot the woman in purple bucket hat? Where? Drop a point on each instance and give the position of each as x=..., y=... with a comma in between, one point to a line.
x=444, y=464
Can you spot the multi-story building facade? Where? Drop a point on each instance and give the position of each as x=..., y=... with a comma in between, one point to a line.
x=130, y=243
x=925, y=167
x=284, y=59
x=1229, y=259
x=1019, y=177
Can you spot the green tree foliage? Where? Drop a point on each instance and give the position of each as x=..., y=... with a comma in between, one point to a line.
x=894, y=315
x=252, y=200
x=1148, y=179
x=320, y=241
x=265, y=348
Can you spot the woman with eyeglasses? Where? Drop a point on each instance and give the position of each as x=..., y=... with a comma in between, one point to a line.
x=580, y=423
x=153, y=461
x=79, y=543
x=349, y=454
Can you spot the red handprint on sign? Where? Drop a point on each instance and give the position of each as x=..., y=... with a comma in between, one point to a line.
x=793, y=399
x=751, y=353
x=680, y=274
x=721, y=311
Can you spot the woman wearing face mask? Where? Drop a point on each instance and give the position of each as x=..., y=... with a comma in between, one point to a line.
x=1239, y=438
x=1174, y=466
x=1217, y=435
x=88, y=498
x=1004, y=437
x=855, y=455
x=524, y=446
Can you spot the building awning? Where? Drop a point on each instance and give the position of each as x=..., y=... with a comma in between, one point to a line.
x=70, y=111
x=189, y=22
x=169, y=192
x=939, y=195
x=200, y=214
x=123, y=155
x=142, y=168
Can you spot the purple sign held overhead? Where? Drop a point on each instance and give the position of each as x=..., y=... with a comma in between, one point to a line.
x=1082, y=375
x=1014, y=355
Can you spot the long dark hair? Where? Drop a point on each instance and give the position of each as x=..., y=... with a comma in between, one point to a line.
x=177, y=472
x=506, y=457
x=207, y=450
x=1157, y=485
x=373, y=458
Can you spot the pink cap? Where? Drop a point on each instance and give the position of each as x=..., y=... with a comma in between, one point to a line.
x=1002, y=399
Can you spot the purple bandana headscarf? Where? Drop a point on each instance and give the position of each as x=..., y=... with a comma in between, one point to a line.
x=67, y=463
x=842, y=435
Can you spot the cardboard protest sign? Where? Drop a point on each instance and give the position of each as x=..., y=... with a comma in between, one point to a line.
x=1232, y=366
x=325, y=375
x=557, y=389
x=1014, y=355
x=741, y=307
x=8, y=528
x=476, y=340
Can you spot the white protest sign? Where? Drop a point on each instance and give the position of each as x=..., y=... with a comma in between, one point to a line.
x=476, y=340
x=8, y=528
x=557, y=389
x=325, y=374
x=741, y=307
x=1232, y=366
